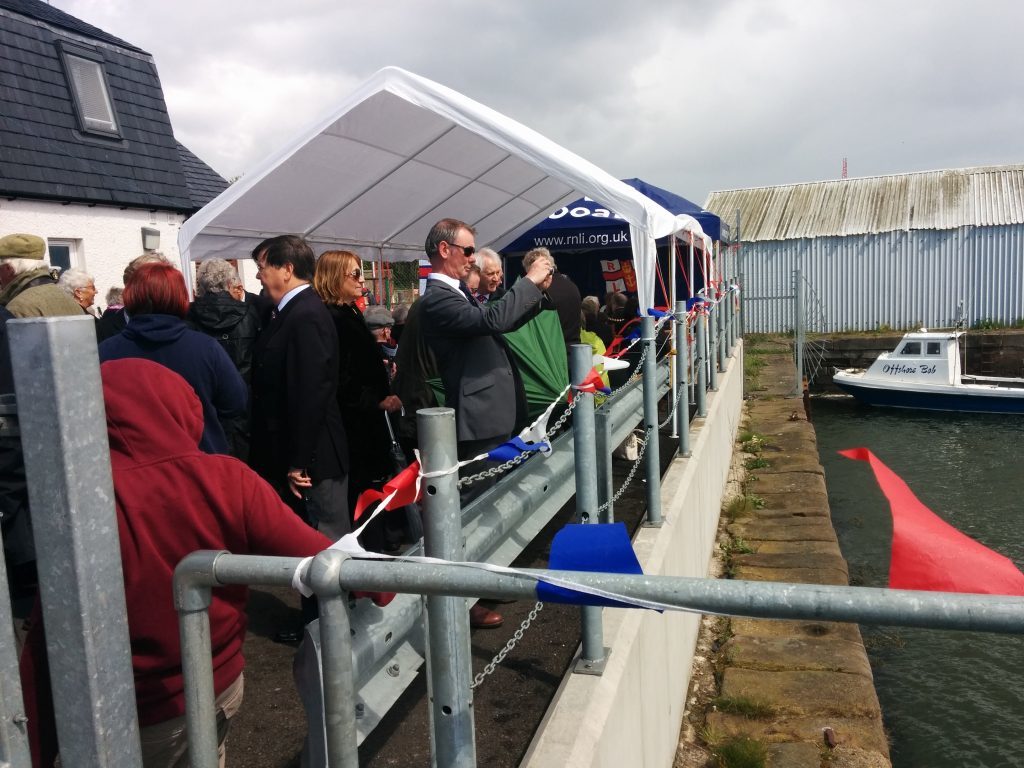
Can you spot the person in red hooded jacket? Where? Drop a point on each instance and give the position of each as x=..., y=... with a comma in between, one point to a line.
x=173, y=499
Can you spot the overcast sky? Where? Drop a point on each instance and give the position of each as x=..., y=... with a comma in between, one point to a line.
x=690, y=95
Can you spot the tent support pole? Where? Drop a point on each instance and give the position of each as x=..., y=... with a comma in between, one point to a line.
x=674, y=388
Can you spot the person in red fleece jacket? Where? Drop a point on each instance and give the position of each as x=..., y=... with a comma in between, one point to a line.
x=173, y=499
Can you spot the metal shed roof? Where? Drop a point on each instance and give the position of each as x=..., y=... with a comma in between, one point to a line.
x=985, y=196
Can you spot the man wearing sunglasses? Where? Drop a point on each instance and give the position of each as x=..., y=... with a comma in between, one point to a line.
x=480, y=380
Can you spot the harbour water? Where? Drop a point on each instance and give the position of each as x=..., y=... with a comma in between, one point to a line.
x=949, y=699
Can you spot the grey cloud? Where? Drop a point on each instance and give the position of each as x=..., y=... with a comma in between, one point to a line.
x=693, y=95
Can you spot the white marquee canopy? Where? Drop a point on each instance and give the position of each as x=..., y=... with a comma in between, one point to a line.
x=398, y=154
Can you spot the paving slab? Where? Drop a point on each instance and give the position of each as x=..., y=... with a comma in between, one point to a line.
x=799, y=693
x=851, y=757
x=802, y=529
x=779, y=462
x=854, y=734
x=800, y=559
x=823, y=654
x=789, y=482
x=787, y=547
x=788, y=501
x=787, y=628
x=831, y=576
x=796, y=515
x=794, y=754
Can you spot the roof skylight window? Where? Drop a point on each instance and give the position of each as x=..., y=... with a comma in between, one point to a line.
x=91, y=94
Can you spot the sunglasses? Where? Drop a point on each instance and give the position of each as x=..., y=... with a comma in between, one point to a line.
x=467, y=250
x=356, y=274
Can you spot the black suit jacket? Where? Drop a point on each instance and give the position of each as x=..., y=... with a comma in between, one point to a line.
x=295, y=418
x=475, y=367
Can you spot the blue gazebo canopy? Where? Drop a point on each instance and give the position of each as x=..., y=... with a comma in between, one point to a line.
x=586, y=224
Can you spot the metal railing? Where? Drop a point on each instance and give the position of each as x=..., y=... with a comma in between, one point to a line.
x=333, y=573
x=62, y=421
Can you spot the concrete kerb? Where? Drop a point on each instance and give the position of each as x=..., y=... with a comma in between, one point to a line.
x=632, y=713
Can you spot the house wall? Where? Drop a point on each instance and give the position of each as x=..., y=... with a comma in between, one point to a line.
x=902, y=279
x=108, y=238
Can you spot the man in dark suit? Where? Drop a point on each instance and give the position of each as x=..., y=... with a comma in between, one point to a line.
x=480, y=381
x=298, y=441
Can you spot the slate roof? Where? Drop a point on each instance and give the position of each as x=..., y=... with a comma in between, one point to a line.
x=44, y=155
x=203, y=182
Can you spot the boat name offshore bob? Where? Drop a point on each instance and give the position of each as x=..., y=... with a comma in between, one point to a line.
x=898, y=369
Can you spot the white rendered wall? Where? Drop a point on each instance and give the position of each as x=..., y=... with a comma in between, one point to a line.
x=107, y=237
x=631, y=715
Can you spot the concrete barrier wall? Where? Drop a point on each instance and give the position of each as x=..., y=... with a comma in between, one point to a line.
x=631, y=714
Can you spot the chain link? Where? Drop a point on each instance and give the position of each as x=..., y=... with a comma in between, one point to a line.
x=500, y=656
x=632, y=473
x=515, y=461
x=675, y=404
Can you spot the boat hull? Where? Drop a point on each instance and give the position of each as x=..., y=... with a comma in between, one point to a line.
x=965, y=399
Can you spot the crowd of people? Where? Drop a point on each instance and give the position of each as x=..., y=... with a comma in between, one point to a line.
x=253, y=422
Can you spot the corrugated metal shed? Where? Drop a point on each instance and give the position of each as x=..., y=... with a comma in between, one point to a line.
x=936, y=200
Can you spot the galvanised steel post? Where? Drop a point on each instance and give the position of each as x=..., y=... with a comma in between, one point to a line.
x=701, y=363
x=798, y=331
x=14, y=749
x=730, y=320
x=581, y=361
x=721, y=312
x=713, y=345
x=193, y=579
x=605, y=476
x=449, y=657
x=682, y=367
x=71, y=495
x=336, y=653
x=652, y=454
x=674, y=343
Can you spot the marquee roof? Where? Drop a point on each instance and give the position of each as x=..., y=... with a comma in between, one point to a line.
x=395, y=156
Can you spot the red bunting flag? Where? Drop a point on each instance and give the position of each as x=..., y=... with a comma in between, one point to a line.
x=405, y=483
x=593, y=383
x=930, y=554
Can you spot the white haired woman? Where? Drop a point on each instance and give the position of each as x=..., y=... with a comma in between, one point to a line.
x=80, y=286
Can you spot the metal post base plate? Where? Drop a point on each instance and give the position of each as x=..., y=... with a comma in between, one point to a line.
x=587, y=667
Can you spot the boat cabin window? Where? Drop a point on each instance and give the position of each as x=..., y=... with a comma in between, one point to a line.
x=911, y=348
x=934, y=348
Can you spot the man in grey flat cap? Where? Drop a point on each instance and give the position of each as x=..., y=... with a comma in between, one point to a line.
x=28, y=285
x=28, y=288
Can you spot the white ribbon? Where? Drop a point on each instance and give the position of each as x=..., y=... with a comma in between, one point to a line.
x=565, y=583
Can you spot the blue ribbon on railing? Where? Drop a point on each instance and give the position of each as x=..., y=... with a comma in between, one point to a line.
x=591, y=547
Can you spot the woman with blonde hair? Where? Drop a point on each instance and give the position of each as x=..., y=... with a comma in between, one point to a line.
x=364, y=392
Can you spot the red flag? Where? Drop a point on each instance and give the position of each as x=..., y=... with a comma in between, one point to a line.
x=592, y=383
x=405, y=483
x=930, y=554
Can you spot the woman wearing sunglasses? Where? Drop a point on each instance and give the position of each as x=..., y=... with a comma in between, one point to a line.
x=364, y=392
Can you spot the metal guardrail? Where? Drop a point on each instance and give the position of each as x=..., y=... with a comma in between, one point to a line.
x=57, y=377
x=333, y=573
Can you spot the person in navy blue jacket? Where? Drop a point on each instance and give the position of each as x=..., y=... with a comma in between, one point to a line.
x=156, y=304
